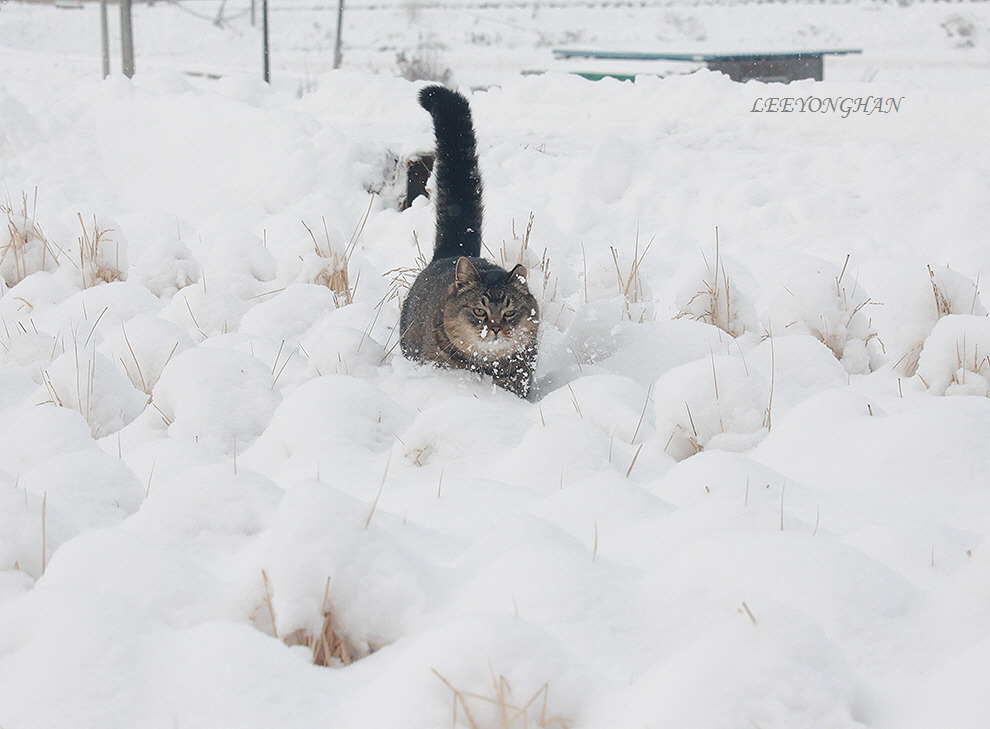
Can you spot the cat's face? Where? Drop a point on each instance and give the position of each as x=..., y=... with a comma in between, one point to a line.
x=493, y=319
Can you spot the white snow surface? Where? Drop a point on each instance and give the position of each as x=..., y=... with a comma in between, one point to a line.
x=752, y=488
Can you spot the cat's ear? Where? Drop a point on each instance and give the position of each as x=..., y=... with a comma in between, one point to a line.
x=466, y=273
x=518, y=275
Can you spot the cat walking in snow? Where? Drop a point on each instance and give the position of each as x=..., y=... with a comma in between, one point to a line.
x=462, y=311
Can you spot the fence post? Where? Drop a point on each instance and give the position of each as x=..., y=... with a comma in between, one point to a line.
x=104, y=39
x=127, y=38
x=340, y=27
x=264, y=41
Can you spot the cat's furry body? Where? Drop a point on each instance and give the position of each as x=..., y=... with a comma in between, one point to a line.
x=463, y=311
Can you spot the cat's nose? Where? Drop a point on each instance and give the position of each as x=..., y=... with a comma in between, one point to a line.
x=495, y=326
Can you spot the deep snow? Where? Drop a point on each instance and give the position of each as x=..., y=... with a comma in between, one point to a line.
x=203, y=447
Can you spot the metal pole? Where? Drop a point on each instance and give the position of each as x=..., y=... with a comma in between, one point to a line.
x=104, y=39
x=264, y=41
x=126, y=38
x=340, y=27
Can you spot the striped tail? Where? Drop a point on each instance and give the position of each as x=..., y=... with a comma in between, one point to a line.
x=458, y=181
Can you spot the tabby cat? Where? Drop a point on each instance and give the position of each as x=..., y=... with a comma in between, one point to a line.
x=463, y=311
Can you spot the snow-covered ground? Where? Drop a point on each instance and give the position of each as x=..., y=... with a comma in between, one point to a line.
x=753, y=490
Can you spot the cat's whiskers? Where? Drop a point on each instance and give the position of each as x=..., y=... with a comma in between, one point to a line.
x=498, y=343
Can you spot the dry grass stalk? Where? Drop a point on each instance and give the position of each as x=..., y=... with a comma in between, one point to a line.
x=44, y=532
x=137, y=365
x=782, y=488
x=94, y=264
x=716, y=296
x=974, y=362
x=510, y=259
x=942, y=305
x=574, y=401
x=839, y=291
x=908, y=363
x=276, y=370
x=508, y=713
x=719, y=292
x=96, y=323
x=548, y=293
x=718, y=399
x=639, y=424
x=85, y=388
x=54, y=397
x=268, y=595
x=28, y=248
x=331, y=647
x=378, y=496
x=161, y=413
x=768, y=413
x=693, y=438
x=402, y=278
x=635, y=456
x=334, y=274
x=584, y=271
x=631, y=282
x=542, y=283
x=749, y=613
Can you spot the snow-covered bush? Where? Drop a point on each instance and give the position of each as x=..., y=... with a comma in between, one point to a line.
x=205, y=311
x=99, y=255
x=950, y=293
x=710, y=404
x=24, y=249
x=165, y=267
x=142, y=347
x=239, y=262
x=542, y=278
x=585, y=319
x=319, y=536
x=290, y=313
x=833, y=308
x=956, y=356
x=199, y=383
x=341, y=350
x=961, y=30
x=424, y=62
x=955, y=293
x=328, y=264
x=616, y=275
x=465, y=429
x=713, y=297
x=617, y=405
x=83, y=380
x=330, y=418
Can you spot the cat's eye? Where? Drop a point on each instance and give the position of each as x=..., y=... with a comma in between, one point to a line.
x=479, y=312
x=508, y=313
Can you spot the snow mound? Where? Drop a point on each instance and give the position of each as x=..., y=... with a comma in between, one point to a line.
x=718, y=404
x=955, y=359
x=199, y=383
x=832, y=307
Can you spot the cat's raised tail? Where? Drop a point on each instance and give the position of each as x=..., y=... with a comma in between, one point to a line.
x=458, y=181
